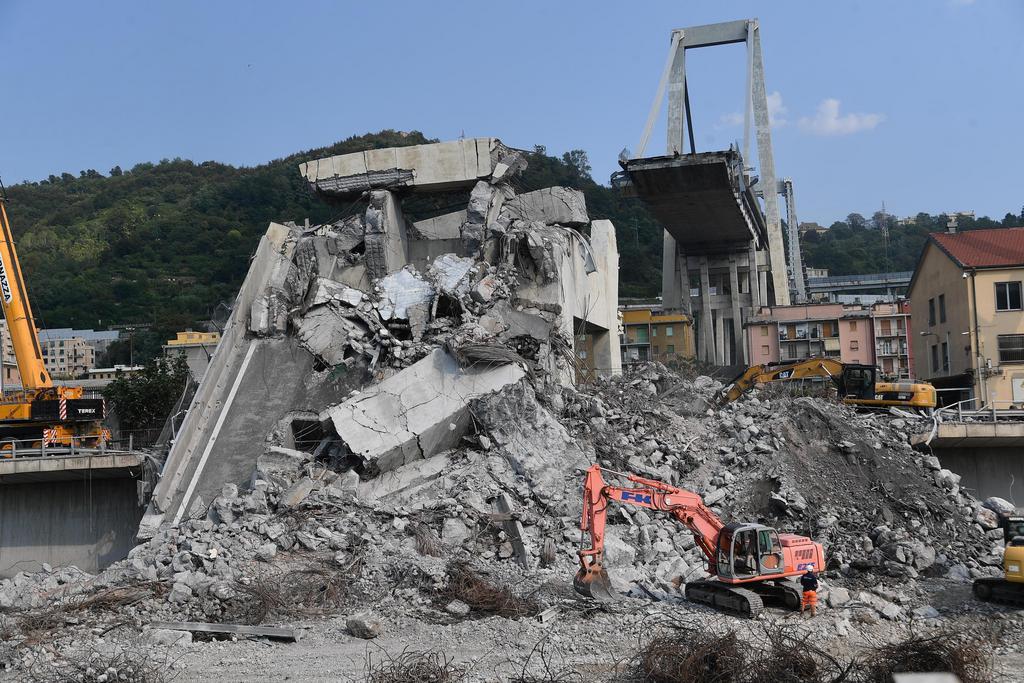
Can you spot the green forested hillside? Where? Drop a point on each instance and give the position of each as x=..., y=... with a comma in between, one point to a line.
x=169, y=243
x=858, y=245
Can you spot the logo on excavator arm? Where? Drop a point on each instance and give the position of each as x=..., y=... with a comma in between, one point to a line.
x=637, y=497
x=5, y=285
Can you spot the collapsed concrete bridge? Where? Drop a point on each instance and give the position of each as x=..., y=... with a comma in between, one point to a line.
x=363, y=341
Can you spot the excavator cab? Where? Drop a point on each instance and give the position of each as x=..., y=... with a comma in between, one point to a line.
x=746, y=551
x=857, y=382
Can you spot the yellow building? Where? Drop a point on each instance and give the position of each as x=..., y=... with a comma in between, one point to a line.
x=190, y=337
x=197, y=347
x=651, y=334
x=968, y=331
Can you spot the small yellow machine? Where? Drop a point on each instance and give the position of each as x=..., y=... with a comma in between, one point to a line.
x=855, y=384
x=1009, y=588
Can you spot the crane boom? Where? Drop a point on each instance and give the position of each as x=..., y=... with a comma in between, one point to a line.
x=18, y=311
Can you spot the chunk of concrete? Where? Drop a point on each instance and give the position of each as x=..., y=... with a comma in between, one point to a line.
x=514, y=530
x=446, y=227
x=401, y=291
x=168, y=638
x=364, y=626
x=431, y=167
x=451, y=273
x=550, y=205
x=386, y=236
x=299, y=491
x=389, y=484
x=421, y=411
x=328, y=291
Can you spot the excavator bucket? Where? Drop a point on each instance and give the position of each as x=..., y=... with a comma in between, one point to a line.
x=592, y=581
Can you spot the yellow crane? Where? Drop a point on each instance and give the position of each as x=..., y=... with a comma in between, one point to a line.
x=40, y=413
x=855, y=383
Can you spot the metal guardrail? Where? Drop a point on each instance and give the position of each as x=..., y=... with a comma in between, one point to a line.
x=987, y=412
x=33, y=448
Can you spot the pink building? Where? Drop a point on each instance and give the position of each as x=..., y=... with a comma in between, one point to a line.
x=842, y=331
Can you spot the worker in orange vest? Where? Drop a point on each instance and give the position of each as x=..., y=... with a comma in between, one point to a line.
x=809, y=583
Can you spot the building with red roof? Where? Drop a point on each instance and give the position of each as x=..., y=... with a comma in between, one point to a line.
x=966, y=294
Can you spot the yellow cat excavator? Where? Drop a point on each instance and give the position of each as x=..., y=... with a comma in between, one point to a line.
x=856, y=384
x=40, y=413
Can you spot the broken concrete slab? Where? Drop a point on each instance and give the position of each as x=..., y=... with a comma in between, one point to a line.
x=550, y=205
x=416, y=413
x=433, y=167
x=328, y=291
x=446, y=227
x=388, y=484
x=451, y=273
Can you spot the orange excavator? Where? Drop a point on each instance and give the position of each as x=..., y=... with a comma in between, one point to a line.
x=749, y=563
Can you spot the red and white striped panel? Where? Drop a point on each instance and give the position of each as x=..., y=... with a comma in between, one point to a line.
x=63, y=409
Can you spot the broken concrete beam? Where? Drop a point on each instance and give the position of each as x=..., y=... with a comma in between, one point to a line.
x=327, y=291
x=416, y=413
x=451, y=273
x=446, y=227
x=551, y=205
x=385, y=234
x=434, y=167
x=514, y=530
x=328, y=334
x=393, y=483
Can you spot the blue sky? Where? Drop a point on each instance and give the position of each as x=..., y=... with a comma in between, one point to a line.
x=918, y=104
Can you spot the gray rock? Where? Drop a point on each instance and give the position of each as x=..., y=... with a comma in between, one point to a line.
x=364, y=626
x=180, y=593
x=926, y=612
x=454, y=531
x=987, y=518
x=715, y=496
x=167, y=637
x=222, y=590
x=999, y=505
x=837, y=596
x=299, y=491
x=457, y=608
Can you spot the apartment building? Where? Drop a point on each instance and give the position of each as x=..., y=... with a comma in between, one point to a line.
x=650, y=334
x=893, y=351
x=969, y=336
x=851, y=333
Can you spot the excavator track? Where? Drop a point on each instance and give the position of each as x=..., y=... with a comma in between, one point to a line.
x=999, y=591
x=725, y=598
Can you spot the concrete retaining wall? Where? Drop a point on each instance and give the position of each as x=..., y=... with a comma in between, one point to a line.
x=987, y=471
x=86, y=523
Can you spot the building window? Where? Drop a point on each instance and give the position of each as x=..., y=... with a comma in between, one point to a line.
x=670, y=349
x=668, y=331
x=931, y=312
x=764, y=330
x=1008, y=296
x=1011, y=348
x=765, y=350
x=854, y=345
x=942, y=308
x=945, y=356
x=654, y=330
x=935, y=357
x=853, y=324
x=641, y=335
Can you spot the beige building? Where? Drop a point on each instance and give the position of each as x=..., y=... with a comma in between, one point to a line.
x=198, y=348
x=969, y=316
x=67, y=358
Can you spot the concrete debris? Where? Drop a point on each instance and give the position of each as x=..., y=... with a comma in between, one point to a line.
x=551, y=206
x=416, y=413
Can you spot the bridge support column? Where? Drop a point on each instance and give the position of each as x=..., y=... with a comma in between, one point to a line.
x=737, y=320
x=706, y=347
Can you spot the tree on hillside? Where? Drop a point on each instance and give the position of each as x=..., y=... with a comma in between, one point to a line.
x=143, y=401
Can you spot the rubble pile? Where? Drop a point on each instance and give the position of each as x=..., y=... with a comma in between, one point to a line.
x=433, y=432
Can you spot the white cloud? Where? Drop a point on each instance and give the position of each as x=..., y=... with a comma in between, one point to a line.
x=828, y=121
x=776, y=113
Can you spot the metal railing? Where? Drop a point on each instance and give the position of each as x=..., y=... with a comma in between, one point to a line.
x=36, y=448
x=970, y=410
